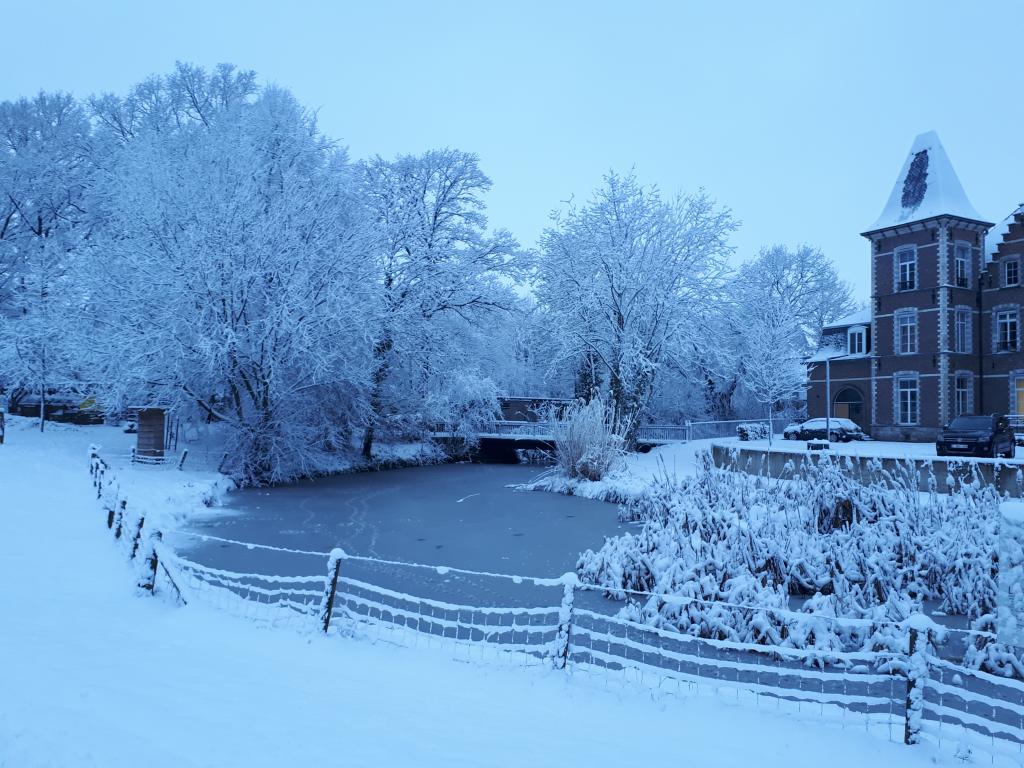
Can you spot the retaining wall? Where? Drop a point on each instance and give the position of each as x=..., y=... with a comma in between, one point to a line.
x=1007, y=477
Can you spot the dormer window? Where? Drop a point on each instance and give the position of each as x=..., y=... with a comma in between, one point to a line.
x=962, y=265
x=906, y=268
x=856, y=339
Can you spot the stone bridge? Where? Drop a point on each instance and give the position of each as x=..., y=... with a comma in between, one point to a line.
x=500, y=440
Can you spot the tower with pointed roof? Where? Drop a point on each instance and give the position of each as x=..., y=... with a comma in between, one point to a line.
x=927, y=257
x=945, y=331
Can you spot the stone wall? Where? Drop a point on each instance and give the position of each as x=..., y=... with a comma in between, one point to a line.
x=759, y=461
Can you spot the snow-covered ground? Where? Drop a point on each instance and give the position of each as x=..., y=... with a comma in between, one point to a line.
x=633, y=476
x=96, y=675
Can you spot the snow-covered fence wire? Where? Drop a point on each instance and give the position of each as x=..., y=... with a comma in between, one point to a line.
x=908, y=696
x=910, y=690
x=704, y=430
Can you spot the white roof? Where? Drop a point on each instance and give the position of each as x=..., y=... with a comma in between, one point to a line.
x=860, y=317
x=927, y=186
x=995, y=235
x=829, y=353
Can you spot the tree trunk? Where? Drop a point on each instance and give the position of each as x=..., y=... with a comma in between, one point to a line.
x=42, y=406
x=380, y=374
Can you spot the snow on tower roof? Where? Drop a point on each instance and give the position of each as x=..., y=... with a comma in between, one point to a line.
x=927, y=186
x=995, y=235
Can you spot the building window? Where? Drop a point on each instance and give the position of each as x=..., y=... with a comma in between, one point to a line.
x=906, y=400
x=905, y=322
x=962, y=265
x=962, y=330
x=856, y=340
x=1011, y=272
x=964, y=400
x=1006, y=326
x=906, y=269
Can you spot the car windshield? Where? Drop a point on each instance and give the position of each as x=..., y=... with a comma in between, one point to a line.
x=971, y=422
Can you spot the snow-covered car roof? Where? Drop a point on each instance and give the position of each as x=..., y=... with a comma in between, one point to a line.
x=844, y=423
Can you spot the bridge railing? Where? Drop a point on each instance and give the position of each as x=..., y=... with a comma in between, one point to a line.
x=664, y=433
x=648, y=433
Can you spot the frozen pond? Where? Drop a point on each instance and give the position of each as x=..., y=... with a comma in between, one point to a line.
x=457, y=515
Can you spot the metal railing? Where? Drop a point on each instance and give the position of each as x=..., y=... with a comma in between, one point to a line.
x=647, y=433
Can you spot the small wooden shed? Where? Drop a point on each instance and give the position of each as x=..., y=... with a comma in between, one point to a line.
x=152, y=424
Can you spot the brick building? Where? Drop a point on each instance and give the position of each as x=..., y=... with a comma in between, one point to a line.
x=943, y=332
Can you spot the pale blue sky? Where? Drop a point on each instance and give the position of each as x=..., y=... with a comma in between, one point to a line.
x=796, y=115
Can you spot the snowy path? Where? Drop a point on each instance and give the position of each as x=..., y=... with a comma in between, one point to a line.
x=97, y=676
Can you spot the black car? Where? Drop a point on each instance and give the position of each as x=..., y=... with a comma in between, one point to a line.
x=989, y=436
x=838, y=430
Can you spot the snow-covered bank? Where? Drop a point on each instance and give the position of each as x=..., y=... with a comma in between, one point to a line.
x=680, y=460
x=637, y=472
x=103, y=677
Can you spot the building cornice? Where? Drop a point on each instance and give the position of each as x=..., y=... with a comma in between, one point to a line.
x=933, y=222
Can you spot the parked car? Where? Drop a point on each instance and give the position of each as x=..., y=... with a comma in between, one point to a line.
x=60, y=406
x=989, y=436
x=839, y=430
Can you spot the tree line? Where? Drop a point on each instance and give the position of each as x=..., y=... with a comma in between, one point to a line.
x=199, y=244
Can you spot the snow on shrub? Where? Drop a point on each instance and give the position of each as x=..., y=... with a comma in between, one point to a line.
x=755, y=430
x=586, y=444
x=871, y=551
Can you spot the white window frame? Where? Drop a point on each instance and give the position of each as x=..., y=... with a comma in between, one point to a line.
x=897, y=389
x=1006, y=264
x=967, y=406
x=859, y=333
x=1000, y=312
x=898, y=281
x=914, y=337
x=963, y=342
x=958, y=247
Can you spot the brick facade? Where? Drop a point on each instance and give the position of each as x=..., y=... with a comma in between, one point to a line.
x=946, y=326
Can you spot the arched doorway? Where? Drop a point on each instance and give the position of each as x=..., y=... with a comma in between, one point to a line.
x=849, y=404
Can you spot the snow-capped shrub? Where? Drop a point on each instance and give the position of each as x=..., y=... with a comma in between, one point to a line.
x=754, y=430
x=467, y=404
x=986, y=653
x=871, y=550
x=586, y=445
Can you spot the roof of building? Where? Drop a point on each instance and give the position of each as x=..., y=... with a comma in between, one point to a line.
x=926, y=187
x=860, y=317
x=829, y=353
x=995, y=235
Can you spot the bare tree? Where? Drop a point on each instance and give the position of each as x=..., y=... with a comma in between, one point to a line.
x=806, y=280
x=625, y=278
x=44, y=171
x=772, y=351
x=432, y=261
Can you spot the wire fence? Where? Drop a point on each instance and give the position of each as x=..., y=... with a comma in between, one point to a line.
x=915, y=689
x=647, y=433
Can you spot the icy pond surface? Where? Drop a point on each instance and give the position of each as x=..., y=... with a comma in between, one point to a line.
x=457, y=515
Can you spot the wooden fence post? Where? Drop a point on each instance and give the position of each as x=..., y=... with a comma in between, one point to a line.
x=147, y=580
x=917, y=674
x=331, y=587
x=561, y=650
x=184, y=455
x=119, y=518
x=138, y=536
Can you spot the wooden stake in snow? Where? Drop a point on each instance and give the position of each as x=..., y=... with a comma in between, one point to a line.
x=331, y=590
